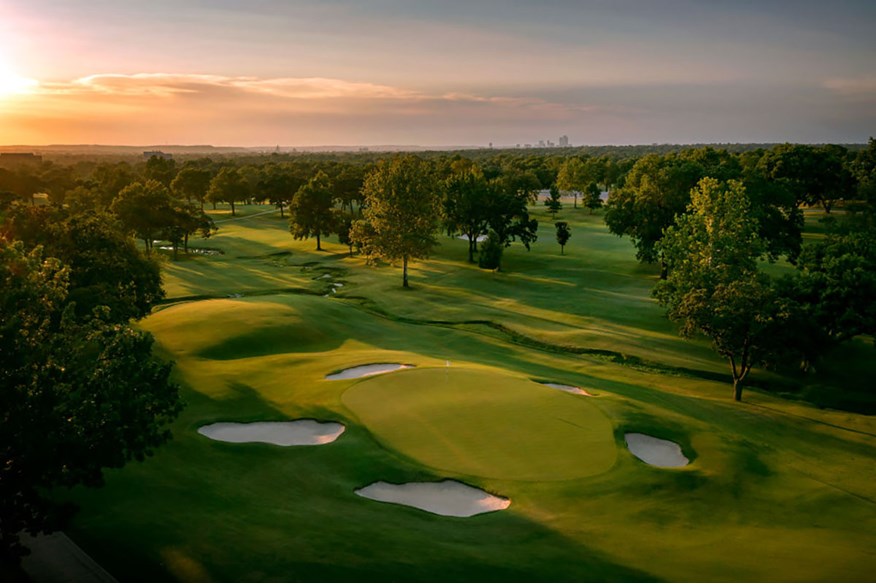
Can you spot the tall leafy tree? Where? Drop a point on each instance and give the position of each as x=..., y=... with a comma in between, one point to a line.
x=656, y=190
x=402, y=209
x=160, y=169
x=146, y=210
x=312, y=212
x=467, y=199
x=573, y=178
x=106, y=268
x=713, y=286
x=227, y=187
x=78, y=395
x=192, y=183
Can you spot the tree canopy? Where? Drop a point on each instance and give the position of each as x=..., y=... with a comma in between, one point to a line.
x=78, y=394
x=402, y=209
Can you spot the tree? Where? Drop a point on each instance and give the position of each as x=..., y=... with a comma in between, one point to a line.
x=572, y=178
x=490, y=257
x=160, y=169
x=227, y=187
x=76, y=395
x=312, y=212
x=553, y=202
x=815, y=175
x=106, y=268
x=713, y=286
x=594, y=197
x=279, y=184
x=192, y=183
x=467, y=195
x=508, y=219
x=563, y=235
x=656, y=190
x=146, y=210
x=186, y=219
x=402, y=207
x=345, y=230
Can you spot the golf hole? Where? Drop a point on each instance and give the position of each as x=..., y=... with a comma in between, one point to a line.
x=448, y=498
x=293, y=433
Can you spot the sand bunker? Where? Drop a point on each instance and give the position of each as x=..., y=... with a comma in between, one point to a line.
x=450, y=498
x=479, y=238
x=568, y=388
x=366, y=371
x=294, y=433
x=655, y=451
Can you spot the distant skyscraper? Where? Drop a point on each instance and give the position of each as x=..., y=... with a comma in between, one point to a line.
x=564, y=141
x=541, y=143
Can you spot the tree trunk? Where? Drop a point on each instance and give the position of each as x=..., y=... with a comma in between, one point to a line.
x=281, y=211
x=214, y=205
x=175, y=248
x=575, y=204
x=318, y=248
x=737, y=389
x=146, y=245
x=232, y=208
x=186, y=243
x=405, y=272
x=562, y=250
x=472, y=242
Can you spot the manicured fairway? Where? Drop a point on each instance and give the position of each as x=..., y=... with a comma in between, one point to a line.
x=485, y=424
x=775, y=490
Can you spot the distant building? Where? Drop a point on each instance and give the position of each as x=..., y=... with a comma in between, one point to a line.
x=157, y=154
x=550, y=144
x=564, y=141
x=19, y=158
x=527, y=145
x=541, y=143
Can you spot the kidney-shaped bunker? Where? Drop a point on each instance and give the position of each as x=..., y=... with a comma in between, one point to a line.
x=447, y=497
x=655, y=451
x=292, y=433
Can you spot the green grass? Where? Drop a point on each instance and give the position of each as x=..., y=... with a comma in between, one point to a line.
x=776, y=490
x=456, y=420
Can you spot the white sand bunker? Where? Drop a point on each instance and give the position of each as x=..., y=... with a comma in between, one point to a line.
x=479, y=238
x=294, y=433
x=367, y=370
x=450, y=498
x=568, y=388
x=655, y=451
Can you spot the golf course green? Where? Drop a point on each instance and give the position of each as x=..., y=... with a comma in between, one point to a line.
x=777, y=488
x=457, y=420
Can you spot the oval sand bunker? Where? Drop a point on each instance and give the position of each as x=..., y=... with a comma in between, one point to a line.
x=294, y=433
x=366, y=371
x=655, y=451
x=450, y=498
x=567, y=388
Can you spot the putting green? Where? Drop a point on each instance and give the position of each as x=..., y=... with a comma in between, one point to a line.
x=481, y=423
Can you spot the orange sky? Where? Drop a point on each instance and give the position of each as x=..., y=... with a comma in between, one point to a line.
x=434, y=73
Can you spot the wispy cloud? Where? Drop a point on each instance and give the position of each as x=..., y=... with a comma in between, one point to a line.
x=860, y=87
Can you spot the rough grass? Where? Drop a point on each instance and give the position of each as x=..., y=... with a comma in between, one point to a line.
x=776, y=490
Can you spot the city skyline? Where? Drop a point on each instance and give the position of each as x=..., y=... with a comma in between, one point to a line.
x=423, y=73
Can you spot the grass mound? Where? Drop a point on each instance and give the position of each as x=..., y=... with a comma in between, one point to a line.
x=481, y=423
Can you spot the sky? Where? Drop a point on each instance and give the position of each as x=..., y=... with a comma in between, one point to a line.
x=436, y=73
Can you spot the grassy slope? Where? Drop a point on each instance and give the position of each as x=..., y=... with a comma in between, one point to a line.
x=776, y=489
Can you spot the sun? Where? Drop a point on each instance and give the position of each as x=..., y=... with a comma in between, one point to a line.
x=11, y=83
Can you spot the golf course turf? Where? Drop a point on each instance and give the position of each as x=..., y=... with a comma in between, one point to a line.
x=776, y=488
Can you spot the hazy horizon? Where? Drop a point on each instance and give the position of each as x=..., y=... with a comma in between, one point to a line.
x=435, y=74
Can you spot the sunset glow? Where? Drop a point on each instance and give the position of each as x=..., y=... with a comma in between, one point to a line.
x=443, y=73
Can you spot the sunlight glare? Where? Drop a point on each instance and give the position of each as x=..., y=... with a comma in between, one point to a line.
x=11, y=83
